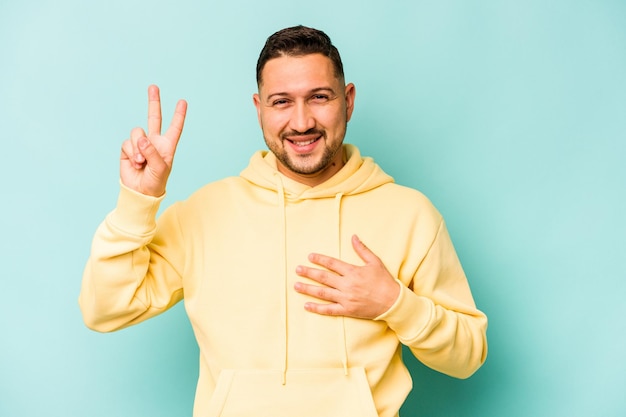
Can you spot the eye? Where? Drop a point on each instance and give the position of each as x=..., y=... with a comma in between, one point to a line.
x=320, y=97
x=281, y=102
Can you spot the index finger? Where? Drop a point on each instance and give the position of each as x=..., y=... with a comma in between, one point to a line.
x=178, y=121
x=154, y=111
x=330, y=263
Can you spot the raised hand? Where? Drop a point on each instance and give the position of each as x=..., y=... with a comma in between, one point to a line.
x=146, y=159
x=349, y=290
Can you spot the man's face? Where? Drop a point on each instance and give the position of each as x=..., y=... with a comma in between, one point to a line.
x=303, y=110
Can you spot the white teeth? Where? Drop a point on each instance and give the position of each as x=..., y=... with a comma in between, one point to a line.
x=308, y=142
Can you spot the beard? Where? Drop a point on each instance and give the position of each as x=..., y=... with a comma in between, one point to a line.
x=304, y=164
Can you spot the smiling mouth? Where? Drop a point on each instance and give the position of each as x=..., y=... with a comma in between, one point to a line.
x=304, y=142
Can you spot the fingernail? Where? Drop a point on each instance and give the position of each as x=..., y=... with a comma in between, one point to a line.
x=142, y=143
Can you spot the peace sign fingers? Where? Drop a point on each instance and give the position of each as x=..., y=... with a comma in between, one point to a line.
x=146, y=159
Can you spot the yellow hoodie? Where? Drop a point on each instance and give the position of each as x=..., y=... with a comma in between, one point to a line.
x=231, y=252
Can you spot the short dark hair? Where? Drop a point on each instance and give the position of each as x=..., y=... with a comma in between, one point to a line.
x=298, y=41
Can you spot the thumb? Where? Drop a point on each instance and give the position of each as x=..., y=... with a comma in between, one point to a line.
x=154, y=160
x=156, y=171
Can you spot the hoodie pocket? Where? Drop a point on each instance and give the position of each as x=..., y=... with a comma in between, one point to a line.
x=305, y=393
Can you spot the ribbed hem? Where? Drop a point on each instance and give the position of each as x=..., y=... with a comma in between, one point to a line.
x=409, y=315
x=135, y=213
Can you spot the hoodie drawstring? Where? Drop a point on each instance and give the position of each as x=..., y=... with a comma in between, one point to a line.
x=283, y=262
x=343, y=337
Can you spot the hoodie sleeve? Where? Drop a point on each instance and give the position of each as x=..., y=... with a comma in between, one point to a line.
x=435, y=315
x=132, y=274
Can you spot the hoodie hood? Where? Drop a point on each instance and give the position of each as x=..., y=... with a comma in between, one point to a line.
x=358, y=175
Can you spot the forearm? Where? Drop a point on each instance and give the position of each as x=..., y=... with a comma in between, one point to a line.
x=435, y=314
x=125, y=280
x=449, y=341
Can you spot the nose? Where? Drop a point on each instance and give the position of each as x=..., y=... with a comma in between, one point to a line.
x=302, y=118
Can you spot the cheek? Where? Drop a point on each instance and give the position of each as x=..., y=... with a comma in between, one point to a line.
x=273, y=122
x=333, y=119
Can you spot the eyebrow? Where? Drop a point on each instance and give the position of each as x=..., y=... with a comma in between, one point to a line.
x=313, y=91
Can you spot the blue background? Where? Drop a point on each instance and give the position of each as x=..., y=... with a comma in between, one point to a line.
x=509, y=115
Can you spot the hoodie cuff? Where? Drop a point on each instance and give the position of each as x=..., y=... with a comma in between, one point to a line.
x=409, y=315
x=135, y=213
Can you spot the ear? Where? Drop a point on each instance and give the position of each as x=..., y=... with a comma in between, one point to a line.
x=350, y=94
x=257, y=103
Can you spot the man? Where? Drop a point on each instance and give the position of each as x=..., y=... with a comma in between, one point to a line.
x=294, y=315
